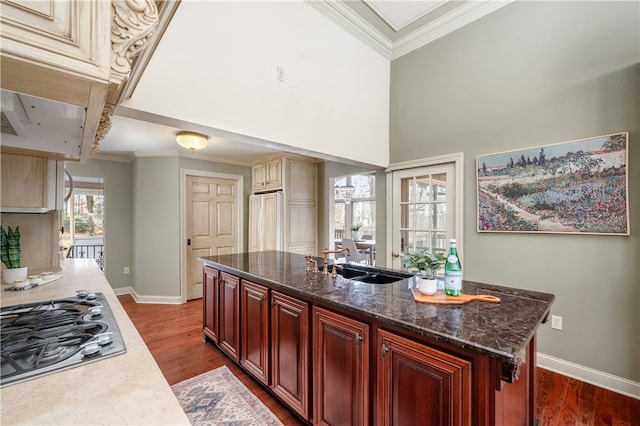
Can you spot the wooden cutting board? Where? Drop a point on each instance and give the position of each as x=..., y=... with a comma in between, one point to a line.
x=441, y=298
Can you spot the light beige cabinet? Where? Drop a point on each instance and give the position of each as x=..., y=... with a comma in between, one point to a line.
x=290, y=224
x=267, y=176
x=59, y=51
x=32, y=184
x=265, y=221
x=79, y=53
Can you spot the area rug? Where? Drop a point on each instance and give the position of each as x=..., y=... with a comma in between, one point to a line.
x=217, y=397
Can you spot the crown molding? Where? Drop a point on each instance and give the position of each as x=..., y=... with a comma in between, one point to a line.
x=106, y=157
x=351, y=22
x=456, y=19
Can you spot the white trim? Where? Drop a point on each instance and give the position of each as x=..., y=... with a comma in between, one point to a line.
x=183, y=214
x=354, y=24
x=106, y=157
x=347, y=19
x=422, y=162
x=164, y=300
x=457, y=159
x=589, y=375
x=444, y=25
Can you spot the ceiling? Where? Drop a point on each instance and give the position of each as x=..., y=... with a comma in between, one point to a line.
x=393, y=28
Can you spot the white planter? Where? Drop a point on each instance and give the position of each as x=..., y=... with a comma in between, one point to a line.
x=10, y=275
x=428, y=287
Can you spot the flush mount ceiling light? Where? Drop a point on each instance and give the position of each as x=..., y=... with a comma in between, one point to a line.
x=191, y=140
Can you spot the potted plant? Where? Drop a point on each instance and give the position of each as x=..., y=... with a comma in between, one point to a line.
x=426, y=265
x=355, y=231
x=11, y=255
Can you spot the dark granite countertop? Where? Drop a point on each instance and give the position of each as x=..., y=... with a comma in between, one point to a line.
x=499, y=330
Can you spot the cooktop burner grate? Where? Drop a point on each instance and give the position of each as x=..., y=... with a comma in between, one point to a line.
x=44, y=337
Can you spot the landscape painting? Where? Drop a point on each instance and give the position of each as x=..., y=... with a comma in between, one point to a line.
x=577, y=187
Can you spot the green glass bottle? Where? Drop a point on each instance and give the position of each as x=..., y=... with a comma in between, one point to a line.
x=453, y=272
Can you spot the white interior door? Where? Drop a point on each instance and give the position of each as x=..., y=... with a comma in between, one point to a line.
x=423, y=210
x=211, y=224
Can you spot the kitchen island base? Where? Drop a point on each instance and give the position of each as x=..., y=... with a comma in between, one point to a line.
x=333, y=364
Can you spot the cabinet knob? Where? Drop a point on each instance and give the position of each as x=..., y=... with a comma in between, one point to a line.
x=273, y=302
x=383, y=350
x=358, y=339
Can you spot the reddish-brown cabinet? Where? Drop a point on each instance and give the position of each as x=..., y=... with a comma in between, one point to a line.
x=229, y=316
x=254, y=330
x=416, y=381
x=290, y=351
x=210, y=303
x=340, y=369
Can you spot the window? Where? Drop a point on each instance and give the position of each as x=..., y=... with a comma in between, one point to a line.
x=355, y=204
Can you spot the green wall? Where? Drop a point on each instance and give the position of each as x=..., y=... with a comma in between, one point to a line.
x=156, y=226
x=157, y=220
x=142, y=219
x=530, y=74
x=117, y=214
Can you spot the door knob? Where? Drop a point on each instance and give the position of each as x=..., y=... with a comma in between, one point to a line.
x=396, y=254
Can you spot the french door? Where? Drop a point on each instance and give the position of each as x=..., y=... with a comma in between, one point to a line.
x=426, y=209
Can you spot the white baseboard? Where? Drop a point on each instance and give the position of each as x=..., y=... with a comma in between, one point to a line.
x=164, y=300
x=589, y=375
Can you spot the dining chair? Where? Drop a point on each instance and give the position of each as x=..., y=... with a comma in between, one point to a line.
x=355, y=254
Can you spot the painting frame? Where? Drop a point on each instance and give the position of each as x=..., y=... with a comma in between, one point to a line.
x=578, y=187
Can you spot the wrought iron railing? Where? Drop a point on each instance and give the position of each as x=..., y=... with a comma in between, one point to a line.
x=87, y=251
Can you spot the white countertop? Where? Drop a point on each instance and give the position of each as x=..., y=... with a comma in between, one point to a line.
x=126, y=389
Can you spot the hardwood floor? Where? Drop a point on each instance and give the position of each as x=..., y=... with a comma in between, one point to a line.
x=173, y=333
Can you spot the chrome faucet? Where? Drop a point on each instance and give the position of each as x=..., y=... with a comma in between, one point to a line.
x=326, y=251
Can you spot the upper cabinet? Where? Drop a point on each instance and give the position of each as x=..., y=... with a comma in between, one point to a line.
x=31, y=184
x=59, y=51
x=293, y=226
x=267, y=175
x=71, y=52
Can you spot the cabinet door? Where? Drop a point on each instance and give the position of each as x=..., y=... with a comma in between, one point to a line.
x=229, y=328
x=290, y=351
x=31, y=182
x=274, y=173
x=301, y=181
x=340, y=369
x=256, y=222
x=210, y=303
x=259, y=177
x=254, y=355
x=419, y=382
x=24, y=181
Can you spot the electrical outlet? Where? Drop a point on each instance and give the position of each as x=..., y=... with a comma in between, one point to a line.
x=280, y=73
x=556, y=322
x=126, y=270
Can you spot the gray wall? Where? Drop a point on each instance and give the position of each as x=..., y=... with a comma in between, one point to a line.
x=117, y=214
x=156, y=226
x=142, y=218
x=156, y=212
x=530, y=74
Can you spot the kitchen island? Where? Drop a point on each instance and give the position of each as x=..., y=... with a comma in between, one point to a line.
x=341, y=351
x=126, y=389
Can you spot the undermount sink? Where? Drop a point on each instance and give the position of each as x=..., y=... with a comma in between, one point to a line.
x=370, y=275
x=378, y=279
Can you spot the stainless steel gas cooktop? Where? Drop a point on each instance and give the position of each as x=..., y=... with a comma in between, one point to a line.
x=44, y=337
